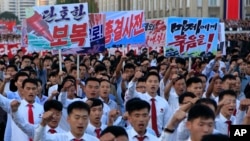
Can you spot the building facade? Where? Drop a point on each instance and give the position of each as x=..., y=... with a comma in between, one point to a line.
x=165, y=8
x=17, y=6
x=152, y=8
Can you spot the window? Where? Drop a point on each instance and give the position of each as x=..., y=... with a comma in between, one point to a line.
x=247, y=2
x=248, y=16
x=212, y=3
x=199, y=3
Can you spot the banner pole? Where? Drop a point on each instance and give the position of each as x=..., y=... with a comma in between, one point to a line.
x=78, y=74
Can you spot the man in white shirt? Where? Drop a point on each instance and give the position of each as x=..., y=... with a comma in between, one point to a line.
x=138, y=116
x=160, y=111
x=105, y=87
x=91, y=90
x=194, y=85
x=95, y=126
x=78, y=116
x=52, y=127
x=18, y=80
x=200, y=122
x=179, y=84
x=225, y=117
x=29, y=109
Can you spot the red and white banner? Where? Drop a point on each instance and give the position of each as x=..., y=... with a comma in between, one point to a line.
x=11, y=49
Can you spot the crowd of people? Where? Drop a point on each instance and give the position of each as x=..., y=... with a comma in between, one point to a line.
x=132, y=97
x=146, y=97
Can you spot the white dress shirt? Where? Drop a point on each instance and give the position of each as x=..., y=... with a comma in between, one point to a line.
x=29, y=129
x=5, y=103
x=162, y=88
x=221, y=125
x=162, y=108
x=91, y=129
x=106, y=111
x=7, y=86
x=65, y=101
x=40, y=135
x=111, y=103
x=132, y=134
x=173, y=101
x=37, y=109
x=51, y=89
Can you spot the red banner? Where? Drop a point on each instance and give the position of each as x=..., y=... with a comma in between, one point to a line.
x=155, y=33
x=233, y=9
x=11, y=49
x=9, y=24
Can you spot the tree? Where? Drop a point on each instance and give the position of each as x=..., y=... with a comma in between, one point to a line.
x=92, y=6
x=9, y=16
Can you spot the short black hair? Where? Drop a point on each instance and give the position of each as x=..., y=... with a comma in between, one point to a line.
x=73, y=80
x=77, y=105
x=181, y=61
x=69, y=77
x=12, y=66
x=228, y=77
x=137, y=104
x=153, y=68
x=67, y=59
x=47, y=58
x=52, y=104
x=215, y=137
x=91, y=79
x=202, y=75
x=152, y=74
x=104, y=80
x=141, y=80
x=53, y=73
x=26, y=57
x=207, y=101
x=185, y=94
x=29, y=80
x=192, y=80
x=215, y=79
x=20, y=74
x=200, y=111
x=39, y=81
x=129, y=66
x=179, y=78
x=227, y=92
x=73, y=68
x=115, y=130
x=99, y=68
x=95, y=102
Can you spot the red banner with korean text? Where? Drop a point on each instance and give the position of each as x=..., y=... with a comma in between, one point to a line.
x=11, y=49
x=156, y=30
x=96, y=34
x=124, y=27
x=56, y=27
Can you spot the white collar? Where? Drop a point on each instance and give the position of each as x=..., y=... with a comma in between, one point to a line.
x=134, y=134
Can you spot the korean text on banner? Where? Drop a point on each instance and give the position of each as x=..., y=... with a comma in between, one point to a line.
x=124, y=27
x=192, y=36
x=97, y=36
x=11, y=49
x=155, y=33
x=58, y=26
